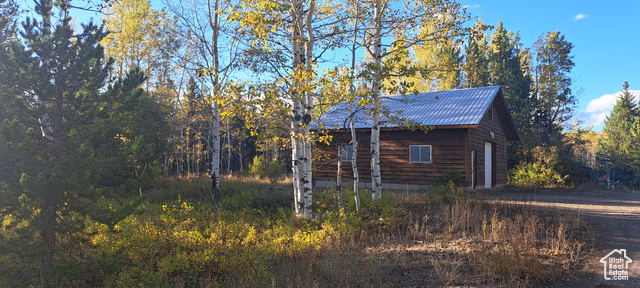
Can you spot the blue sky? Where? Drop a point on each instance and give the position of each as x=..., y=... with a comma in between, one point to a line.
x=605, y=35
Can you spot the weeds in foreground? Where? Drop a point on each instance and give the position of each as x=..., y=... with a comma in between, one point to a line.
x=517, y=245
x=435, y=238
x=446, y=269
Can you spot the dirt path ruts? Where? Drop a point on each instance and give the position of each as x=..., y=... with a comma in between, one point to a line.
x=614, y=214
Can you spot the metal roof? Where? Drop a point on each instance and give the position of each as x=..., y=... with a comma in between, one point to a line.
x=442, y=108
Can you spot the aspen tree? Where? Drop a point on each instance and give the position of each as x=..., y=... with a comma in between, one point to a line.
x=401, y=23
x=210, y=33
x=285, y=40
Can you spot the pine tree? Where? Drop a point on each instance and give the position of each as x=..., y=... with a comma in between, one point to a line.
x=65, y=134
x=9, y=46
x=634, y=158
x=617, y=142
x=506, y=70
x=66, y=67
x=509, y=68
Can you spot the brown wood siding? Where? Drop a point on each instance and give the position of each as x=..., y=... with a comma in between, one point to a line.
x=491, y=121
x=326, y=167
x=448, y=155
x=451, y=152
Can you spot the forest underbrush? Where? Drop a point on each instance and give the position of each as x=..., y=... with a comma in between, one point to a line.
x=175, y=238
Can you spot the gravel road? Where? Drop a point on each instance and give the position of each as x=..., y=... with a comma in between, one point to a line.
x=615, y=216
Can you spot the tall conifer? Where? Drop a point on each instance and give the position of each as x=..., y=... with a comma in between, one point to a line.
x=617, y=140
x=509, y=68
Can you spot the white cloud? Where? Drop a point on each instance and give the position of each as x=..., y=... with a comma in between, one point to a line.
x=604, y=103
x=580, y=16
x=598, y=109
x=475, y=6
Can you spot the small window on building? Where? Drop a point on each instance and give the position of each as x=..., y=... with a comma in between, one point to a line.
x=347, y=153
x=420, y=154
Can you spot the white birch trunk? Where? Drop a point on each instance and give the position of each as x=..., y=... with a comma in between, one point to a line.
x=188, y=154
x=301, y=147
x=296, y=153
x=308, y=115
x=339, y=175
x=294, y=173
x=354, y=165
x=307, y=184
x=215, y=152
x=296, y=149
x=214, y=23
x=228, y=134
x=354, y=140
x=376, y=181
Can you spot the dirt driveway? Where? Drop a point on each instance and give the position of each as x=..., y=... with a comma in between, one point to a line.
x=615, y=216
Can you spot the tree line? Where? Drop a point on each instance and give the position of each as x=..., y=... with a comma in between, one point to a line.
x=100, y=111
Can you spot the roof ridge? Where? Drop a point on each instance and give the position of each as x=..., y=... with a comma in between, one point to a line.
x=444, y=91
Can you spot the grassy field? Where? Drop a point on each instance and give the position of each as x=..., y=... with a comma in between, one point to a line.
x=433, y=238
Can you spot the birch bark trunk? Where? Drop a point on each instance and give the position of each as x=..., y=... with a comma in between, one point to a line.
x=354, y=165
x=302, y=108
x=339, y=175
x=228, y=134
x=215, y=153
x=299, y=174
x=352, y=94
x=296, y=147
x=308, y=114
x=376, y=181
x=214, y=23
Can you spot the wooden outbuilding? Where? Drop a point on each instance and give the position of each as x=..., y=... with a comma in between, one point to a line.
x=467, y=136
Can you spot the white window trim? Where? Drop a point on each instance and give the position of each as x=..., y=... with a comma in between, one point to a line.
x=345, y=153
x=430, y=153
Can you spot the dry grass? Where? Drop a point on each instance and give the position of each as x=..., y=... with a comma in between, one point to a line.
x=257, y=180
x=477, y=243
x=284, y=180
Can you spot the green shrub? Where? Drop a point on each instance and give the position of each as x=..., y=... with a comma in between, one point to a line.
x=251, y=240
x=380, y=215
x=536, y=174
x=456, y=177
x=258, y=167
x=543, y=171
x=238, y=196
x=326, y=201
x=449, y=192
x=275, y=170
